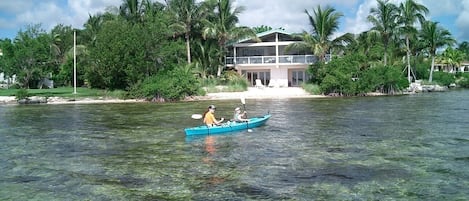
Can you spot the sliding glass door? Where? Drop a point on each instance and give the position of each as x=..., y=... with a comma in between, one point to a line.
x=298, y=77
x=264, y=76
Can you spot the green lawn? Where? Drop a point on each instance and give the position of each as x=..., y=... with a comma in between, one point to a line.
x=65, y=92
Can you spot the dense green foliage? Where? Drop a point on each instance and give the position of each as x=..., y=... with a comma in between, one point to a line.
x=444, y=78
x=169, y=85
x=463, y=80
x=350, y=75
x=141, y=46
x=22, y=94
x=66, y=92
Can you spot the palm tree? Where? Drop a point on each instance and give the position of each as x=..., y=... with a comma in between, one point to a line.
x=409, y=13
x=187, y=14
x=262, y=28
x=453, y=57
x=464, y=47
x=366, y=43
x=324, y=23
x=206, y=55
x=93, y=26
x=222, y=27
x=434, y=37
x=383, y=18
x=132, y=10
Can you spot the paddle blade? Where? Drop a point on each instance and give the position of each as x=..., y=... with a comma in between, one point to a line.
x=196, y=116
x=243, y=100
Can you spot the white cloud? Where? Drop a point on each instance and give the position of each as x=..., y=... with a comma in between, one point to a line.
x=359, y=23
x=13, y=7
x=50, y=13
x=462, y=21
x=439, y=7
x=289, y=15
x=82, y=9
x=46, y=13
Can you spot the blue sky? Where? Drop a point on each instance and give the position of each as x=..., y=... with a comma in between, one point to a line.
x=289, y=14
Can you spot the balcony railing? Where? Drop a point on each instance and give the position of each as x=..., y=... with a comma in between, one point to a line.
x=283, y=59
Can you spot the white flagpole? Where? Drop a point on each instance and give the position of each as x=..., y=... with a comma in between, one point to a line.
x=74, y=62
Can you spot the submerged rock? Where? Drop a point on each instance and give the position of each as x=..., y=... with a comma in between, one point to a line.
x=33, y=100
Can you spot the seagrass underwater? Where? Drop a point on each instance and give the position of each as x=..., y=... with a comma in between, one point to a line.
x=326, y=148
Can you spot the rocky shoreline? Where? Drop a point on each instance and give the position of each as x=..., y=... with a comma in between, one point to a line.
x=251, y=93
x=58, y=100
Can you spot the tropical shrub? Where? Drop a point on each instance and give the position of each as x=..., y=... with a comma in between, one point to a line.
x=464, y=80
x=338, y=76
x=422, y=70
x=311, y=88
x=22, y=94
x=443, y=78
x=384, y=79
x=236, y=82
x=169, y=85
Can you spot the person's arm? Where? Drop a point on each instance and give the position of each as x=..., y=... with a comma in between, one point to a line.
x=219, y=122
x=244, y=116
x=241, y=117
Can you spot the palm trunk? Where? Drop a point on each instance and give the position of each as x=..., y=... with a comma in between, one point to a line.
x=408, y=59
x=221, y=57
x=431, y=69
x=385, y=55
x=188, y=47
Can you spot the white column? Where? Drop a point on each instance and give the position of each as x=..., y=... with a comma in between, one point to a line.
x=276, y=50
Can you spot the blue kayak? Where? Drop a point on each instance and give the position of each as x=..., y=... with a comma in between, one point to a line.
x=228, y=127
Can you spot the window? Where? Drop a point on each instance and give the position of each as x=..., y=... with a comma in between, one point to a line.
x=264, y=76
x=298, y=77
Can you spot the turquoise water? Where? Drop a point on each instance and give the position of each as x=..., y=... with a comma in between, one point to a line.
x=365, y=148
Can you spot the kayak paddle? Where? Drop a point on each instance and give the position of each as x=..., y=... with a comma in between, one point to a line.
x=196, y=116
x=243, y=101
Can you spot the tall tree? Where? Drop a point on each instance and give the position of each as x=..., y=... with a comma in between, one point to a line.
x=366, y=43
x=464, y=47
x=32, y=55
x=324, y=23
x=222, y=27
x=132, y=10
x=206, y=53
x=409, y=13
x=453, y=57
x=383, y=18
x=187, y=15
x=7, y=59
x=434, y=37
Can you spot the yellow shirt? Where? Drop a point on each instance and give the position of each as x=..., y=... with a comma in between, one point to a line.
x=209, y=119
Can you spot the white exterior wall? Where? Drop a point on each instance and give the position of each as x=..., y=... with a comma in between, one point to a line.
x=279, y=77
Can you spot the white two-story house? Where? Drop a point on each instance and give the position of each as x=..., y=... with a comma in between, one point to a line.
x=269, y=61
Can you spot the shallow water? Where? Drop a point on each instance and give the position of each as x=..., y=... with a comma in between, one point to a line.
x=367, y=148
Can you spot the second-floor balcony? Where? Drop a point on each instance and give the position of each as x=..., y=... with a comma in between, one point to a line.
x=283, y=59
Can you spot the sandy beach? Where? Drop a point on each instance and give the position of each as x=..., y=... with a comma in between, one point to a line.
x=251, y=93
x=260, y=93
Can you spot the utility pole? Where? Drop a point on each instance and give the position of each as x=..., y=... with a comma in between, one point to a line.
x=74, y=62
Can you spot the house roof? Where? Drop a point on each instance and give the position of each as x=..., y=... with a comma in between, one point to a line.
x=261, y=35
x=265, y=33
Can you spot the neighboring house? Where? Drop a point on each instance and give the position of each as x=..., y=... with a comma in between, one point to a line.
x=452, y=69
x=268, y=61
x=5, y=81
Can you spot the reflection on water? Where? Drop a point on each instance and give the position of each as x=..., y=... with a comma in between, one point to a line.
x=368, y=148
